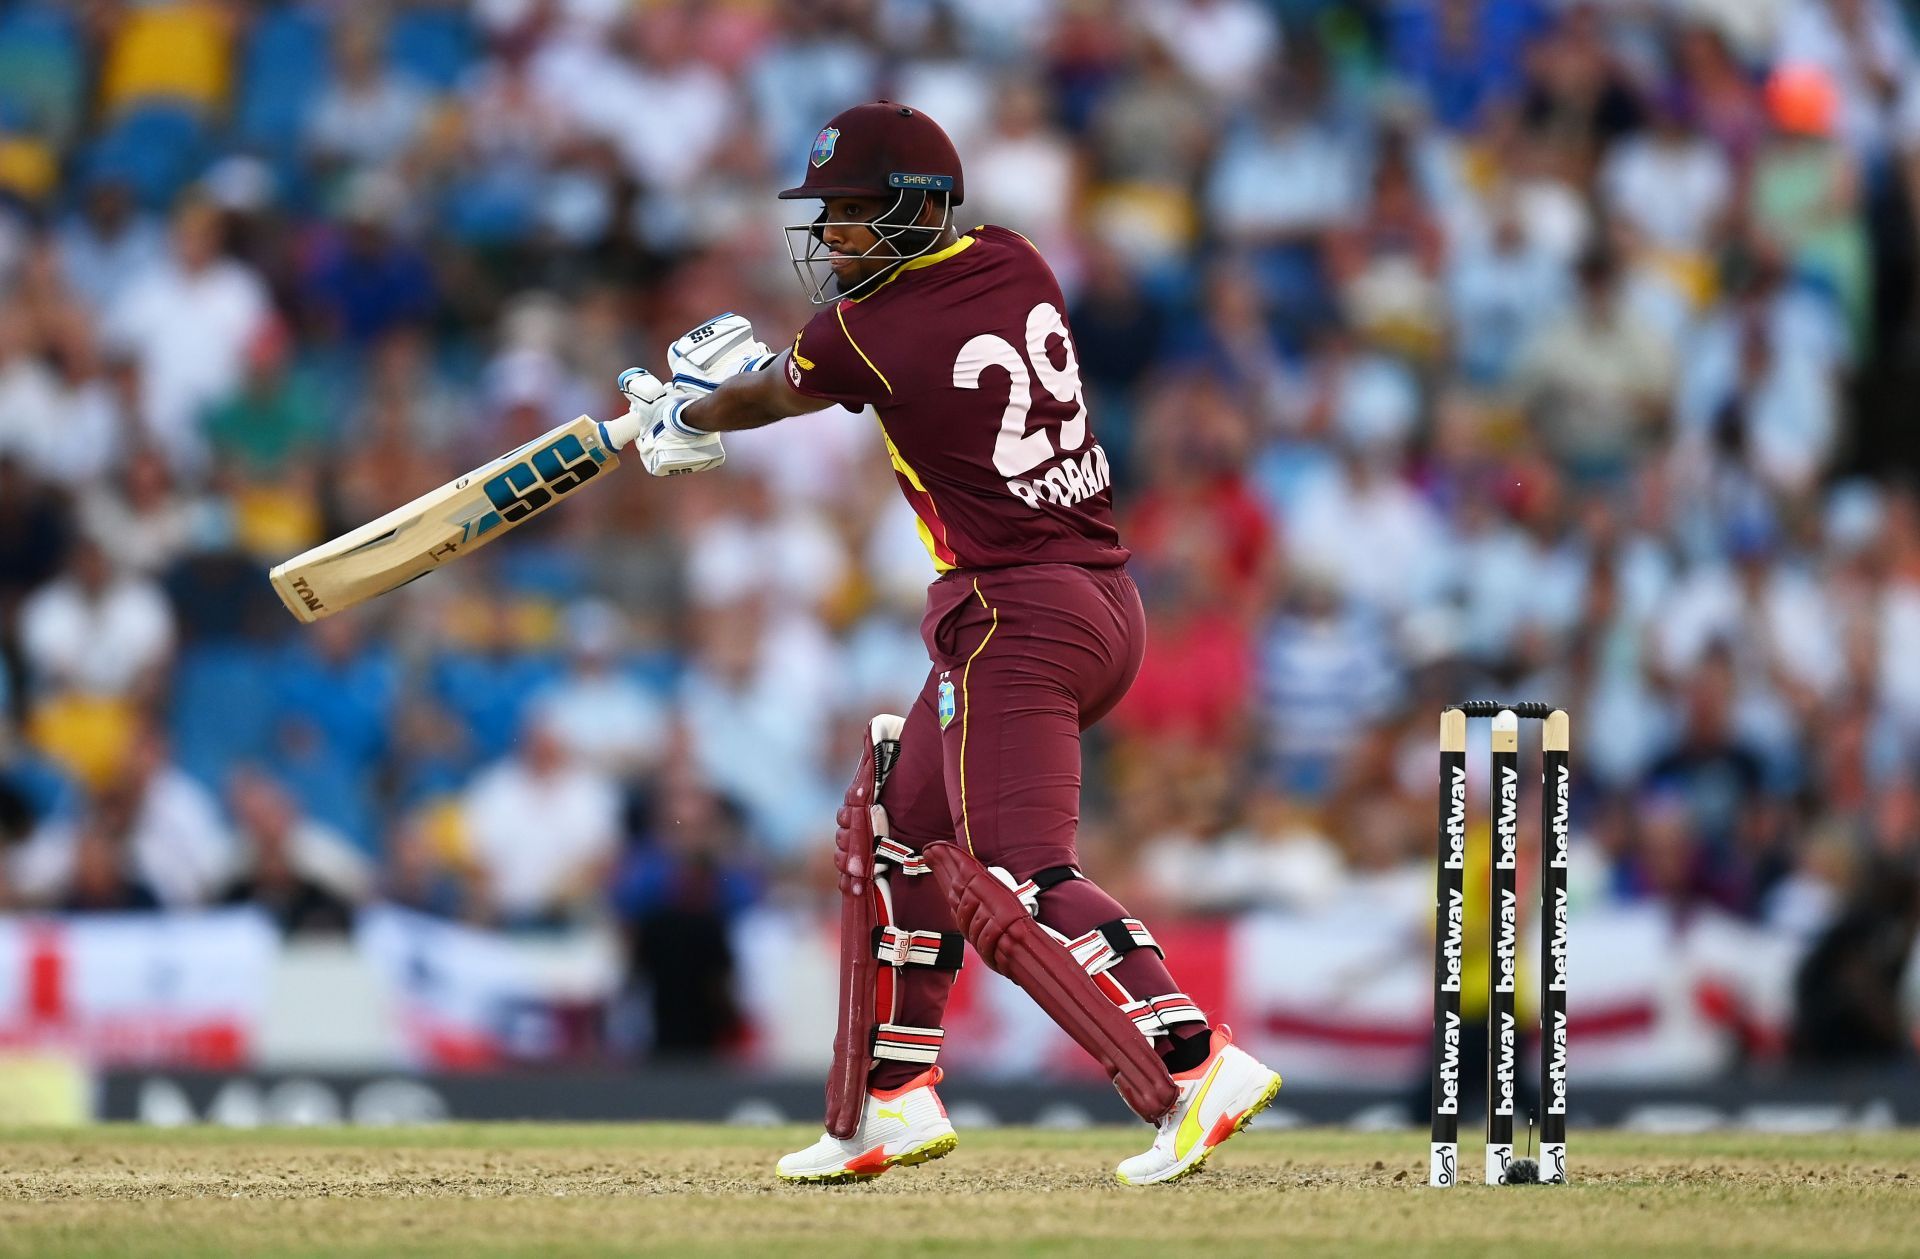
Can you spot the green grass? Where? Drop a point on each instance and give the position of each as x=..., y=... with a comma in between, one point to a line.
x=697, y=1191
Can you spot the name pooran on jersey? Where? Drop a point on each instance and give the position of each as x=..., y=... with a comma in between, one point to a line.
x=966, y=357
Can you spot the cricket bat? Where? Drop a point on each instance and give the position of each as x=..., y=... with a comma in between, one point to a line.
x=411, y=541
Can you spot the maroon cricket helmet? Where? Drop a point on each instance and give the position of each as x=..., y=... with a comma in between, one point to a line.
x=881, y=149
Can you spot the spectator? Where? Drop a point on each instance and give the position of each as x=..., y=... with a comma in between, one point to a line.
x=605, y=718
x=810, y=69
x=408, y=401
x=34, y=531
x=1360, y=526
x=678, y=891
x=658, y=76
x=367, y=280
x=151, y=833
x=305, y=874
x=1152, y=128
x=1578, y=100
x=1772, y=409
x=1864, y=50
x=1113, y=320
x=1279, y=186
x=96, y=629
x=1465, y=56
x=1850, y=993
x=540, y=793
x=1499, y=292
x=26, y=394
x=271, y=421
x=1191, y=690
x=1195, y=512
x=936, y=76
x=1385, y=261
x=368, y=114
x=1894, y=611
x=1595, y=380
x=1226, y=45
x=144, y=519
x=1235, y=342
x=1806, y=190
x=1670, y=184
x=186, y=323
x=84, y=434
x=1024, y=173
x=102, y=880
x=107, y=244
x=1720, y=92
x=344, y=689
x=1716, y=779
x=507, y=118
x=756, y=705
x=761, y=545
x=1327, y=671
x=1277, y=858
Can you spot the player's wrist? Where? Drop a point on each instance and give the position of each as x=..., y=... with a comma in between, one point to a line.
x=678, y=419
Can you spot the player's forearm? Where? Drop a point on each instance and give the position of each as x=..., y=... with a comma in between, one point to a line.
x=751, y=400
x=748, y=400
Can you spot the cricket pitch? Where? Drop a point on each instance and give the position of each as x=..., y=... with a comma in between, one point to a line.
x=681, y=1190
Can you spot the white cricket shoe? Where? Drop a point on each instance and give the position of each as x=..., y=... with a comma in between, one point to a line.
x=899, y=1128
x=1217, y=1099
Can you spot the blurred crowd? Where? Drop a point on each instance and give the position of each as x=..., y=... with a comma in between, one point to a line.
x=1443, y=349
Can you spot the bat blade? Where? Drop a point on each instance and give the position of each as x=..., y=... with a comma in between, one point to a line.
x=465, y=514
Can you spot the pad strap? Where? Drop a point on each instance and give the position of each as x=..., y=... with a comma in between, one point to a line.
x=907, y=1044
x=935, y=950
x=1028, y=890
x=888, y=849
x=1011, y=941
x=1155, y=1016
x=1101, y=949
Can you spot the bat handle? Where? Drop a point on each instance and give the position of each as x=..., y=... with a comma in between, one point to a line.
x=620, y=431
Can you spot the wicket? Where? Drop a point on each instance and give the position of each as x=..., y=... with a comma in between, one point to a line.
x=1504, y=926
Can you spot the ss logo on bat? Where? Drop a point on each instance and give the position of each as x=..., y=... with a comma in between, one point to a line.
x=526, y=487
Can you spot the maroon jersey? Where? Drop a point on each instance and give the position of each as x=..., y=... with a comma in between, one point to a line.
x=966, y=356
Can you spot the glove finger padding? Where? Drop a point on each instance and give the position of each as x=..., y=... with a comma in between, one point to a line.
x=721, y=347
x=666, y=446
x=641, y=387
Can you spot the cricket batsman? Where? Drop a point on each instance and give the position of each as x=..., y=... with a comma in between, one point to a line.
x=960, y=821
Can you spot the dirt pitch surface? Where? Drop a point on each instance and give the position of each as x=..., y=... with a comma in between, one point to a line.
x=693, y=1191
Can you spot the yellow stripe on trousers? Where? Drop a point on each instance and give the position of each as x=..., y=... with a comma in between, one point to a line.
x=966, y=712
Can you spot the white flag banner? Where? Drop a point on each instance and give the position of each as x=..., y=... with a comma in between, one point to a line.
x=186, y=989
x=467, y=997
x=1344, y=995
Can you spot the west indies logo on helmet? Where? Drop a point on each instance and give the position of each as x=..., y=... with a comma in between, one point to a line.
x=883, y=151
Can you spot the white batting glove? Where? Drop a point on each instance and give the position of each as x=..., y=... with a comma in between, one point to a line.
x=666, y=446
x=721, y=347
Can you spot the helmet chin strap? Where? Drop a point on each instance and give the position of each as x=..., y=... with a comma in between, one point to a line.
x=897, y=232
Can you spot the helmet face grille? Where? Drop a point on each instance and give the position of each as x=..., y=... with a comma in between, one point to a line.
x=898, y=236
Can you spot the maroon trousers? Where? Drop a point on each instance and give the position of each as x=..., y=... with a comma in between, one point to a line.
x=1024, y=659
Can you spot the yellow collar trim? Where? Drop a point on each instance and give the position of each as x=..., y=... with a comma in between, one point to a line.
x=914, y=264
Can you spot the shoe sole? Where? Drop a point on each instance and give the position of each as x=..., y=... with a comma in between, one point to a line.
x=1260, y=1103
x=939, y=1147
